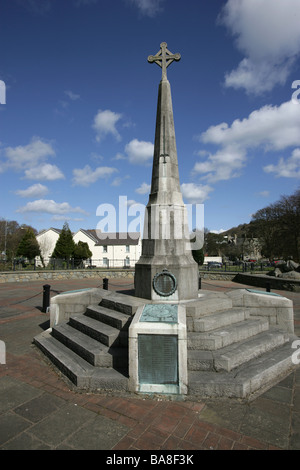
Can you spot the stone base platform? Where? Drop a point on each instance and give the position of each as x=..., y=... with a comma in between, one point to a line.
x=239, y=343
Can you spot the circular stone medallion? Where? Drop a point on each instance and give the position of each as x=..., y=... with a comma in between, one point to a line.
x=164, y=283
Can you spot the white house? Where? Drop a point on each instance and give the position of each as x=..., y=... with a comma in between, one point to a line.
x=47, y=240
x=116, y=250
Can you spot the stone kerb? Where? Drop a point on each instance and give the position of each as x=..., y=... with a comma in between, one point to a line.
x=64, y=305
x=278, y=309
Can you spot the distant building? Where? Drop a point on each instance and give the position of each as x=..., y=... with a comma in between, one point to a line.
x=250, y=248
x=47, y=240
x=115, y=250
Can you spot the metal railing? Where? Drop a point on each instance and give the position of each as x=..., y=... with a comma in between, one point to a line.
x=21, y=264
x=240, y=267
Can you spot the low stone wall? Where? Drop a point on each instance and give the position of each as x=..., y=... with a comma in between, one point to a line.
x=263, y=280
x=217, y=276
x=258, y=280
x=27, y=276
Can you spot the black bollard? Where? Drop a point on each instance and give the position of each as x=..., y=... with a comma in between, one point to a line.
x=105, y=283
x=46, y=297
x=199, y=285
x=268, y=287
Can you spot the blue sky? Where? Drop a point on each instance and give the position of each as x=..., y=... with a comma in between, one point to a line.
x=77, y=125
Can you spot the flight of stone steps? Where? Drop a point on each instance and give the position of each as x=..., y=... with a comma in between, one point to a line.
x=92, y=349
x=230, y=352
x=234, y=354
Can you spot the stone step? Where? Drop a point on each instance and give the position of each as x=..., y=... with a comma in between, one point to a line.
x=106, y=334
x=110, y=317
x=218, y=320
x=221, y=337
x=247, y=380
x=122, y=303
x=230, y=357
x=208, y=304
x=81, y=373
x=90, y=349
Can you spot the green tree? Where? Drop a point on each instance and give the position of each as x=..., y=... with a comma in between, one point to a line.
x=65, y=245
x=278, y=227
x=11, y=234
x=28, y=247
x=82, y=251
x=198, y=256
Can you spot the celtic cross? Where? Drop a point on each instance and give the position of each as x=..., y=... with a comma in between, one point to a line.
x=164, y=58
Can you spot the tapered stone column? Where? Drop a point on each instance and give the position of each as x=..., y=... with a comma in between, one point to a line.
x=166, y=269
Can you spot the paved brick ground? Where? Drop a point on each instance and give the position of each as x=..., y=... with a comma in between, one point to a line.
x=39, y=409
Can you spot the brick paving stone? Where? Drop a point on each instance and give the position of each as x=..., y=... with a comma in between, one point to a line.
x=211, y=441
x=196, y=435
x=183, y=427
x=225, y=443
x=151, y=440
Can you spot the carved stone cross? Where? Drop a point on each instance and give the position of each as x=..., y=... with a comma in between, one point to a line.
x=164, y=58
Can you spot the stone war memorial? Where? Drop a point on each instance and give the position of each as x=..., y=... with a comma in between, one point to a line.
x=170, y=338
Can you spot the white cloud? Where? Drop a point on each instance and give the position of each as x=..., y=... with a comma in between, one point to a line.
x=143, y=189
x=105, y=124
x=49, y=207
x=72, y=96
x=44, y=172
x=275, y=127
x=218, y=231
x=148, y=7
x=86, y=176
x=286, y=168
x=139, y=152
x=195, y=193
x=265, y=193
x=225, y=164
x=119, y=180
x=267, y=32
x=36, y=190
x=119, y=156
x=271, y=128
x=27, y=156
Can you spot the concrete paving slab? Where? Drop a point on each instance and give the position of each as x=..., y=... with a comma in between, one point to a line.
x=98, y=434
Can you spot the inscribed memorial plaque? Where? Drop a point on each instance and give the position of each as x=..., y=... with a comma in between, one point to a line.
x=158, y=359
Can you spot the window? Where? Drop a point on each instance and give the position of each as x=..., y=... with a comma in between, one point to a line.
x=127, y=249
x=105, y=249
x=105, y=262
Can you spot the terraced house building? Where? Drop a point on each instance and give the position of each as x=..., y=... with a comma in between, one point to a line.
x=109, y=250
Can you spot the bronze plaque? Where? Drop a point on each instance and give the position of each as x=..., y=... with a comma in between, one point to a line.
x=158, y=359
x=164, y=283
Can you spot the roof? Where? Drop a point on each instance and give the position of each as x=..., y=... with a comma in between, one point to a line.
x=106, y=238
x=122, y=238
x=56, y=230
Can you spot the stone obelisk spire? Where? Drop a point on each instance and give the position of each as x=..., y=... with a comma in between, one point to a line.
x=166, y=269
